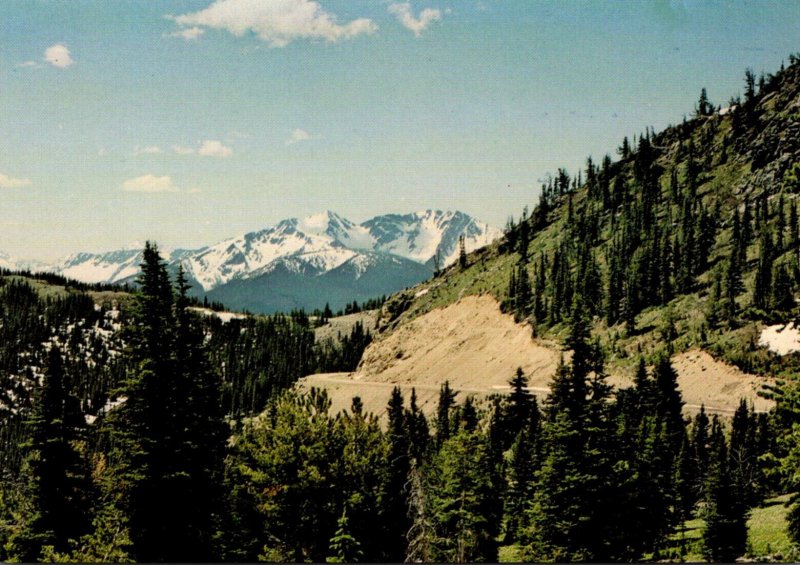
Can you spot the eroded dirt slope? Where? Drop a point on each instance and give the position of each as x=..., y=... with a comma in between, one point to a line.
x=476, y=347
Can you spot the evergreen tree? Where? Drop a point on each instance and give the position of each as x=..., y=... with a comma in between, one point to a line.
x=168, y=433
x=521, y=469
x=571, y=514
x=733, y=287
x=700, y=447
x=669, y=407
x=615, y=293
x=686, y=480
x=58, y=483
x=704, y=107
x=749, y=86
x=522, y=404
x=464, y=503
x=418, y=429
x=200, y=435
x=725, y=532
x=743, y=456
x=447, y=398
x=344, y=547
x=763, y=287
x=782, y=299
x=394, y=503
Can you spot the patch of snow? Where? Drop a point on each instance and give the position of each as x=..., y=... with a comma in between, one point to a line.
x=781, y=338
x=224, y=316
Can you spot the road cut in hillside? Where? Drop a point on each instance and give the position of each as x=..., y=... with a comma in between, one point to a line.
x=477, y=348
x=469, y=343
x=717, y=385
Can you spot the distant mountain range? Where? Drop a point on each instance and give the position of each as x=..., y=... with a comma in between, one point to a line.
x=306, y=263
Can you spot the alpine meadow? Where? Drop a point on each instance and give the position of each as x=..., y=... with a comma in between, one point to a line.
x=537, y=329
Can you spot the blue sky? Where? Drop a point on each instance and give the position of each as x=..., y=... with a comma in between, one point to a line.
x=189, y=121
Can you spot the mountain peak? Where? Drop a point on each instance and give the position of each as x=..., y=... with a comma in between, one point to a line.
x=323, y=222
x=311, y=246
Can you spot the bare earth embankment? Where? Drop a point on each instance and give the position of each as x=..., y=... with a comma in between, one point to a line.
x=477, y=348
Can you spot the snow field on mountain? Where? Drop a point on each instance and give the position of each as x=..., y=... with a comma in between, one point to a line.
x=311, y=246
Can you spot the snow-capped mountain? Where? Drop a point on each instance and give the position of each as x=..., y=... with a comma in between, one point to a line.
x=306, y=248
x=112, y=267
x=14, y=264
x=422, y=236
x=322, y=242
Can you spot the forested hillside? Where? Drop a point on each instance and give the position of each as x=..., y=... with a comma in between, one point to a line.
x=136, y=429
x=690, y=233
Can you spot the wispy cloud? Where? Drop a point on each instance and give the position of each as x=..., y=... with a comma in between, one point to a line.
x=206, y=148
x=180, y=150
x=11, y=182
x=299, y=135
x=402, y=11
x=276, y=22
x=147, y=150
x=59, y=56
x=189, y=34
x=27, y=64
x=213, y=148
x=150, y=184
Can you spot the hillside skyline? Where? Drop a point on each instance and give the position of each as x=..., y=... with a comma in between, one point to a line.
x=189, y=121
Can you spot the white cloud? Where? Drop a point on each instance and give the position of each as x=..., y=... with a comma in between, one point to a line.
x=189, y=34
x=11, y=182
x=180, y=150
x=213, y=148
x=150, y=183
x=59, y=56
x=402, y=10
x=277, y=22
x=147, y=150
x=299, y=135
x=27, y=64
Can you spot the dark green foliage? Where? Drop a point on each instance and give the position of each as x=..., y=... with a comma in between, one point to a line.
x=57, y=474
x=343, y=355
x=168, y=434
x=344, y=547
x=465, y=507
x=418, y=430
x=522, y=408
x=725, y=531
x=522, y=466
x=444, y=424
x=571, y=508
x=763, y=285
x=704, y=107
x=260, y=358
x=395, y=510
